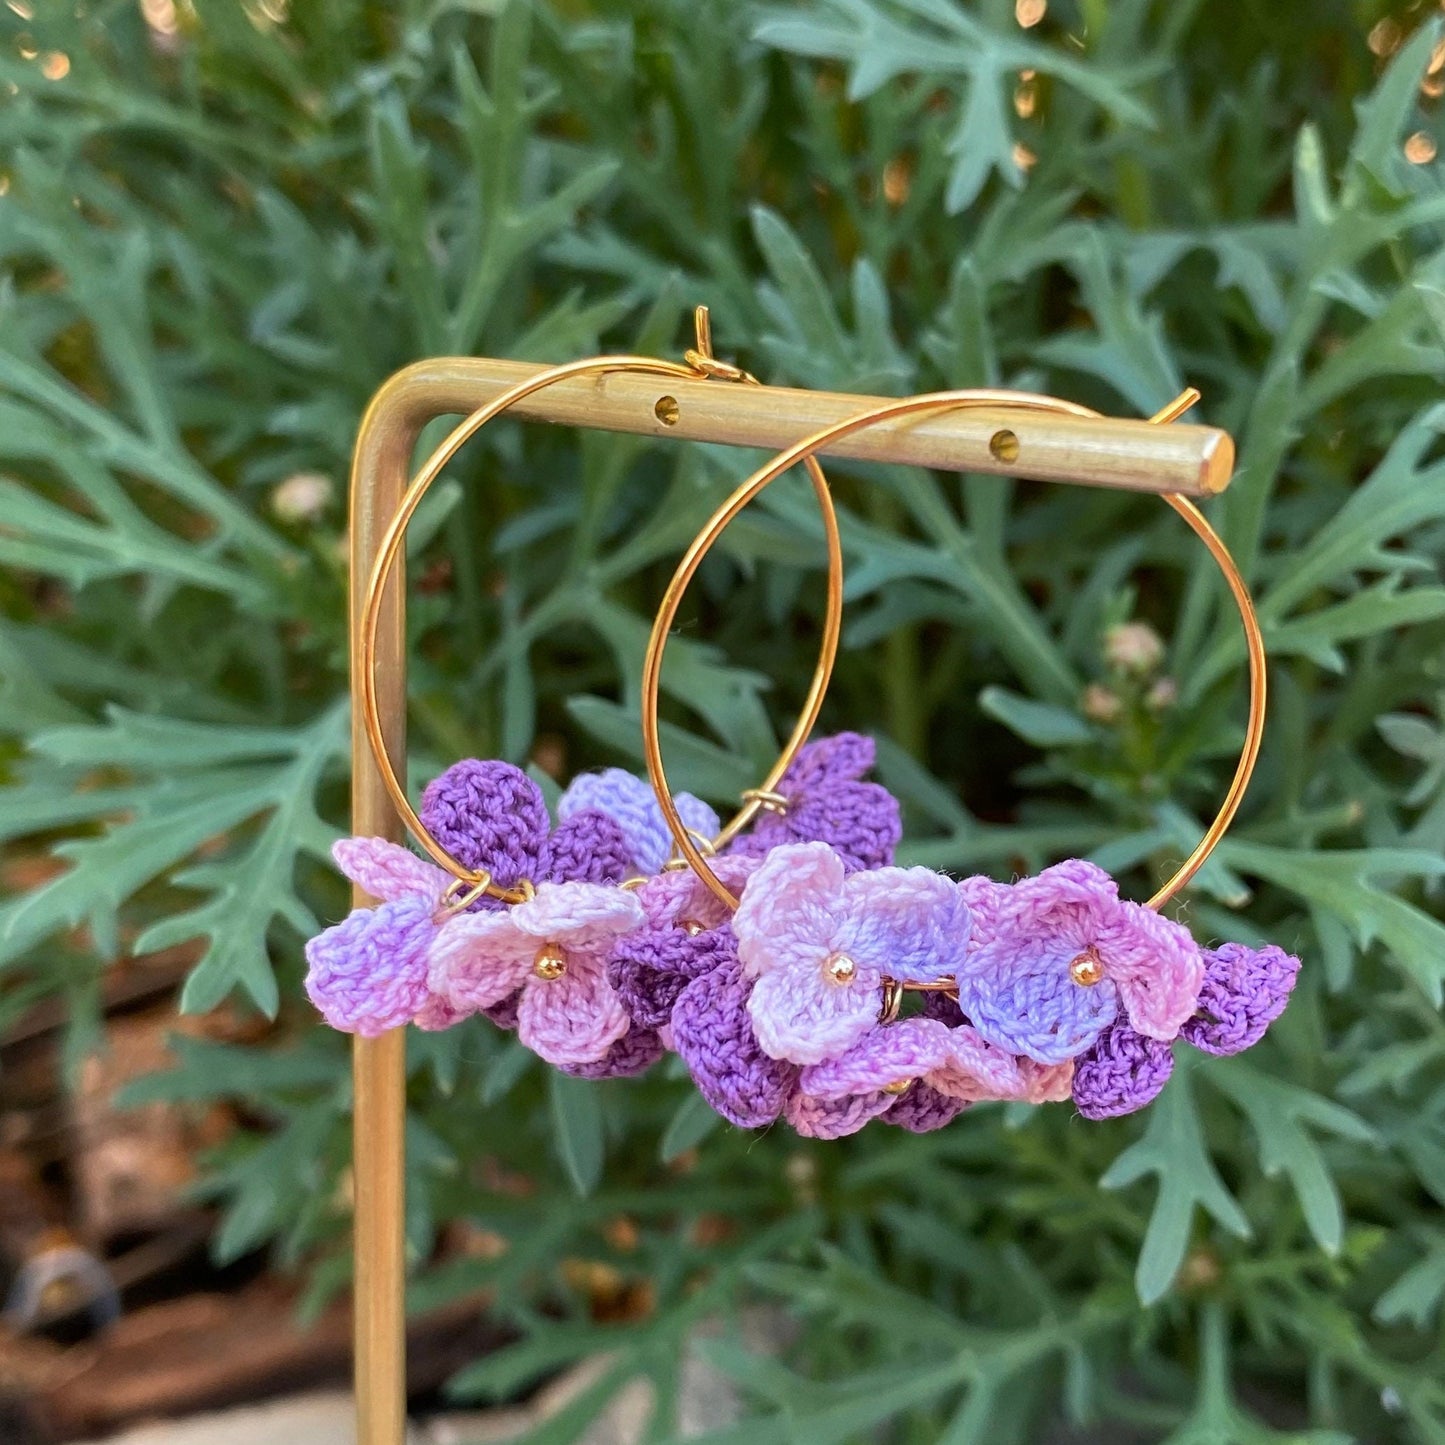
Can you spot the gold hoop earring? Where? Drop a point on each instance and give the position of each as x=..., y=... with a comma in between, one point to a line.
x=699, y=362
x=937, y=402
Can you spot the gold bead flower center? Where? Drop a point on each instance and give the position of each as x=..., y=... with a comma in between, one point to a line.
x=839, y=968
x=550, y=962
x=1087, y=969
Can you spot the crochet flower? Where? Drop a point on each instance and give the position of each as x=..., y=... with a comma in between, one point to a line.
x=368, y=973
x=819, y=941
x=633, y=806
x=552, y=951
x=713, y=1035
x=1056, y=959
x=948, y=1068
x=681, y=939
x=828, y=803
x=491, y=815
x=1244, y=991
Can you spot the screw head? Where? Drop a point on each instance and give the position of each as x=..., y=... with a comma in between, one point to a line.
x=550, y=962
x=839, y=968
x=1087, y=969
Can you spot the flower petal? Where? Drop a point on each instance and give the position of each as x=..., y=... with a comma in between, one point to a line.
x=477, y=959
x=631, y=803
x=387, y=870
x=910, y=923
x=1156, y=965
x=574, y=1019
x=835, y=1118
x=1019, y=996
x=588, y=848
x=790, y=908
x=714, y=1037
x=650, y=968
x=887, y=1054
x=801, y=1015
x=1244, y=991
x=977, y=1071
x=922, y=1109
x=580, y=915
x=368, y=974
x=488, y=815
x=1122, y=1073
x=634, y=1053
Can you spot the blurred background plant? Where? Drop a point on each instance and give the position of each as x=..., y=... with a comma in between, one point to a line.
x=222, y=225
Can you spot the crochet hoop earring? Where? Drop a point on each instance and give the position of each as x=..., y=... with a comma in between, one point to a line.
x=473, y=883
x=925, y=405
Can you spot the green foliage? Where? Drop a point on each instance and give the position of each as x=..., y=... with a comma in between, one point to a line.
x=217, y=242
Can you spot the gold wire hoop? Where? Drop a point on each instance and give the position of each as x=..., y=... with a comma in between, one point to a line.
x=718, y=523
x=700, y=363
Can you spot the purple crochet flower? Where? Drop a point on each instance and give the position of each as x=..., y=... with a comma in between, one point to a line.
x=1121, y=1072
x=828, y=803
x=1244, y=991
x=682, y=938
x=632, y=805
x=368, y=973
x=880, y=1072
x=819, y=941
x=491, y=815
x=1056, y=958
x=553, y=950
x=714, y=1037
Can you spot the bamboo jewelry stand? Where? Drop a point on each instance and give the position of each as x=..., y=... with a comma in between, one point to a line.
x=1194, y=461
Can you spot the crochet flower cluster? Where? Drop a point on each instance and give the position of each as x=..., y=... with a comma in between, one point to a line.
x=1045, y=989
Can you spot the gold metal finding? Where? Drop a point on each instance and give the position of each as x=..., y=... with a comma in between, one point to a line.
x=898, y=1086
x=1087, y=969
x=1025, y=409
x=840, y=968
x=700, y=363
x=767, y=802
x=691, y=927
x=551, y=962
x=460, y=894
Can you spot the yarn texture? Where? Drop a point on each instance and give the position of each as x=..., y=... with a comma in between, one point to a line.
x=480, y=959
x=632, y=805
x=1018, y=990
x=804, y=917
x=829, y=803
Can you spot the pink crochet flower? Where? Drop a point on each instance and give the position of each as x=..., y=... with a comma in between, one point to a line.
x=819, y=942
x=368, y=973
x=1056, y=958
x=827, y=802
x=553, y=949
x=878, y=1074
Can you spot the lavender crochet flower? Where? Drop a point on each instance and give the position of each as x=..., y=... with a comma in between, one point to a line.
x=632, y=805
x=1244, y=991
x=713, y=1035
x=491, y=815
x=828, y=803
x=368, y=973
x=1057, y=957
x=682, y=938
x=819, y=942
x=553, y=950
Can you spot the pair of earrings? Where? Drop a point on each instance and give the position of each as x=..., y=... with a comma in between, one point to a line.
x=775, y=953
